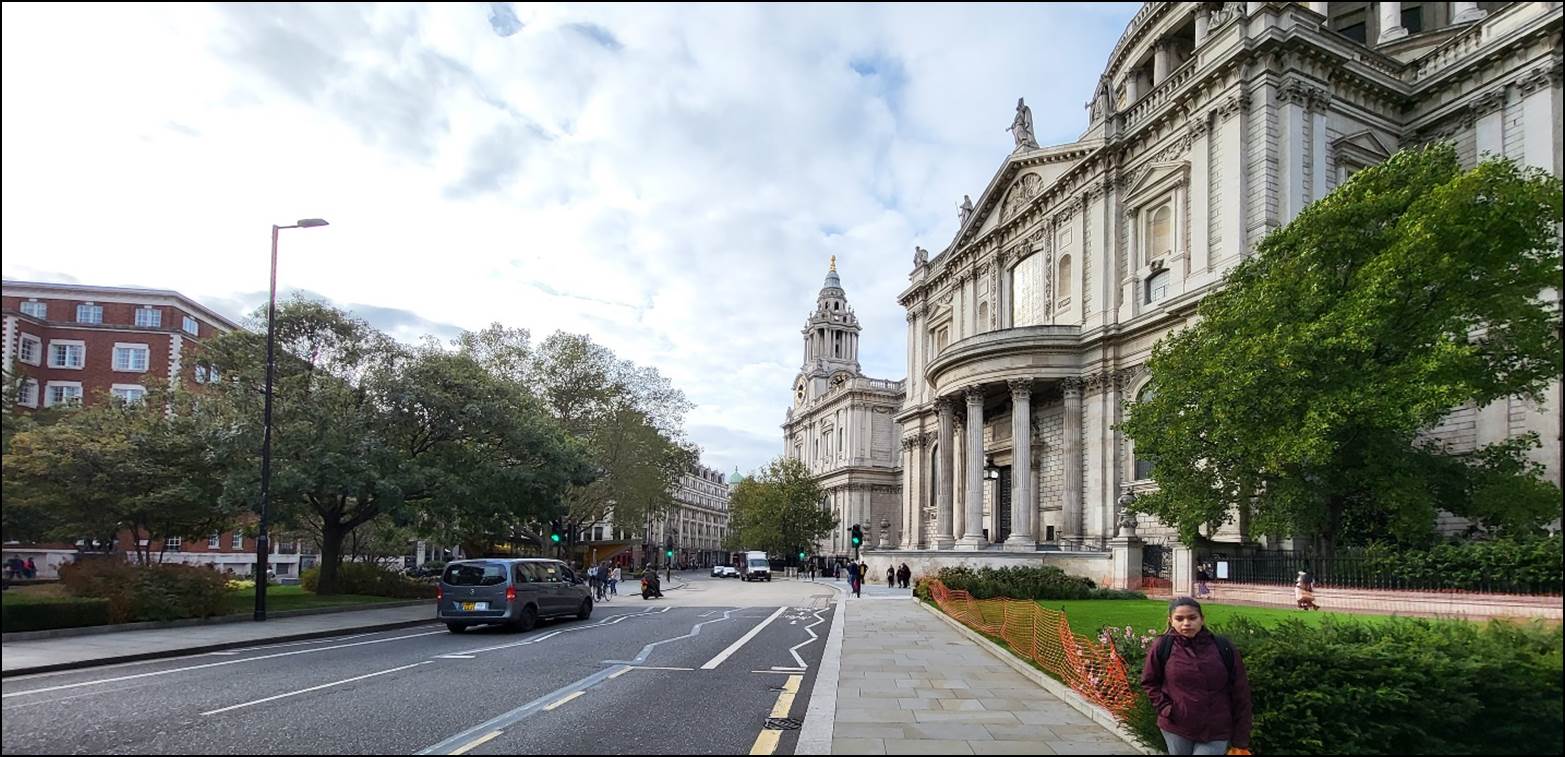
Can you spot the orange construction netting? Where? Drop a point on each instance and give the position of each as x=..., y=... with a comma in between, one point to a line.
x=1090, y=667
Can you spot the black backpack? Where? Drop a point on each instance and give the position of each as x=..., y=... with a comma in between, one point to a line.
x=1225, y=650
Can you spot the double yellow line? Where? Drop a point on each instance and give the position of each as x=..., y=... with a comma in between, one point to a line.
x=766, y=741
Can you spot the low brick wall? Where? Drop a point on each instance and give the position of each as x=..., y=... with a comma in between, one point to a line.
x=1098, y=566
x=1422, y=603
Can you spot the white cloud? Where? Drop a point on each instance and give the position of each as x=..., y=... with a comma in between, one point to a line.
x=671, y=179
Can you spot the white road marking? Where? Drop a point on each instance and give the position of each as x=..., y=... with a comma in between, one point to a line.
x=211, y=665
x=314, y=688
x=725, y=654
x=455, y=657
x=813, y=638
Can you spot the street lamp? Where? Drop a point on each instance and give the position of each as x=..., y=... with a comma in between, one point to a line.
x=263, y=543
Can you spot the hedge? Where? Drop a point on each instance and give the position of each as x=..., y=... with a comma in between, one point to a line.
x=67, y=612
x=1535, y=563
x=1031, y=582
x=1407, y=686
x=372, y=580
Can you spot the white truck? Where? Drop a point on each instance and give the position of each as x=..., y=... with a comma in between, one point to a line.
x=756, y=567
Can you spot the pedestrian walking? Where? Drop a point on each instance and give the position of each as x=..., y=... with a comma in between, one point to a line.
x=14, y=567
x=1197, y=684
x=853, y=579
x=1304, y=592
x=32, y=569
x=904, y=574
x=891, y=577
x=614, y=577
x=1201, y=577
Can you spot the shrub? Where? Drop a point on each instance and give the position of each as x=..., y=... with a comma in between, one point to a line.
x=1533, y=565
x=1404, y=687
x=54, y=613
x=370, y=579
x=152, y=592
x=1030, y=582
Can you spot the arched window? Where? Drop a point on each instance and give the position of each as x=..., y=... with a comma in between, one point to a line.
x=983, y=316
x=1144, y=462
x=1027, y=296
x=1157, y=286
x=1160, y=233
x=1062, y=284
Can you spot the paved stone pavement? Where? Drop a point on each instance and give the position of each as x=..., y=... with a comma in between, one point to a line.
x=910, y=684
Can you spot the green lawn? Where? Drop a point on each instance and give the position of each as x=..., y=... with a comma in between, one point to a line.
x=281, y=598
x=1087, y=616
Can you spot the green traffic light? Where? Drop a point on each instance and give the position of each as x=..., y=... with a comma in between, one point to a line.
x=670, y=553
x=554, y=538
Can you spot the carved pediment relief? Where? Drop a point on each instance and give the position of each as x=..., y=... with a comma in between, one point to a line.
x=1022, y=191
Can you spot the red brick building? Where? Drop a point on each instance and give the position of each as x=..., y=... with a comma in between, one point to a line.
x=82, y=343
x=85, y=343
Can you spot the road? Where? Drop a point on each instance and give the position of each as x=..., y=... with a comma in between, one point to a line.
x=696, y=673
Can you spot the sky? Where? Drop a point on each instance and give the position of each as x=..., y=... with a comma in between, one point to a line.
x=671, y=180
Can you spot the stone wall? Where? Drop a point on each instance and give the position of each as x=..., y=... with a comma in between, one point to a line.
x=1098, y=566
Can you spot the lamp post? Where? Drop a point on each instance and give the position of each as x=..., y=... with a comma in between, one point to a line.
x=263, y=543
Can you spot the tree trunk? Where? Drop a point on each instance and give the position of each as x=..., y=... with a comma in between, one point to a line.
x=332, y=536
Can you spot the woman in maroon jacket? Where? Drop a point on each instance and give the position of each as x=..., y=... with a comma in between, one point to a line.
x=1197, y=685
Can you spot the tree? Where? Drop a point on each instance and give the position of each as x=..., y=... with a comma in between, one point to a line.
x=152, y=468
x=366, y=429
x=778, y=510
x=1305, y=391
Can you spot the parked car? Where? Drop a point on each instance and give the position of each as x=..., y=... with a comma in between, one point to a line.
x=507, y=591
x=728, y=571
x=717, y=571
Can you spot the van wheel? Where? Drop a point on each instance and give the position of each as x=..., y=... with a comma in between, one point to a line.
x=586, y=610
x=456, y=627
x=529, y=619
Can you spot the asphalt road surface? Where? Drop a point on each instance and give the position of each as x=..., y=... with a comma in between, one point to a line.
x=696, y=673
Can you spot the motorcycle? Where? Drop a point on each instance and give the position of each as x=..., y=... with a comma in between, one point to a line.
x=651, y=587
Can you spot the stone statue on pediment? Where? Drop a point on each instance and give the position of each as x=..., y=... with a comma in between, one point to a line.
x=967, y=209
x=1021, y=126
x=920, y=256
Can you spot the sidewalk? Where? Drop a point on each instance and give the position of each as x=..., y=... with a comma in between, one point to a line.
x=911, y=684
x=42, y=655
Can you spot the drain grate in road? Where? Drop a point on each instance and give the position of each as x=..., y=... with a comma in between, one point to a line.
x=783, y=724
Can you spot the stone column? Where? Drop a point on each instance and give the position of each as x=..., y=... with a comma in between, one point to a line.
x=942, y=539
x=1391, y=28
x=1021, y=538
x=974, y=538
x=1071, y=530
x=958, y=474
x=1161, y=60
x=1203, y=25
x=1463, y=12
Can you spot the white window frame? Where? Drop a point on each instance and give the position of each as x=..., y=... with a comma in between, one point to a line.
x=239, y=540
x=68, y=343
x=154, y=321
x=93, y=308
x=25, y=338
x=129, y=367
x=173, y=544
x=191, y=326
x=215, y=541
x=41, y=307
x=27, y=395
x=123, y=392
x=48, y=400
x=1151, y=298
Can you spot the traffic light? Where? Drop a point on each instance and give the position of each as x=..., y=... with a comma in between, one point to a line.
x=554, y=531
x=801, y=555
x=858, y=535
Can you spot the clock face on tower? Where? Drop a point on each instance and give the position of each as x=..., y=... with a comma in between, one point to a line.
x=798, y=392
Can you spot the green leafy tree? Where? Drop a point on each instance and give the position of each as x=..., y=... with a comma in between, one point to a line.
x=778, y=510
x=151, y=468
x=1304, y=391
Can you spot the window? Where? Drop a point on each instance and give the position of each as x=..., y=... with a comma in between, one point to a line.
x=67, y=354
x=36, y=309
x=129, y=394
x=1027, y=296
x=29, y=349
x=63, y=393
x=1157, y=287
x=942, y=338
x=215, y=541
x=191, y=327
x=89, y=313
x=149, y=317
x=1160, y=234
x=201, y=374
x=239, y=540
x=1352, y=25
x=475, y=574
x=1413, y=19
x=597, y=533
x=1144, y=462
x=173, y=544
x=130, y=357
x=1063, y=283
x=1049, y=533
x=27, y=394
x=285, y=569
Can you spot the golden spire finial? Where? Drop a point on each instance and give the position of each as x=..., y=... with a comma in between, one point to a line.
x=834, y=263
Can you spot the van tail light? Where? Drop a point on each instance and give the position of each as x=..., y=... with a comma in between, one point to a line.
x=439, y=593
x=510, y=593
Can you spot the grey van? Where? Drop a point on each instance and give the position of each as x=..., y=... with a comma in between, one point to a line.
x=513, y=592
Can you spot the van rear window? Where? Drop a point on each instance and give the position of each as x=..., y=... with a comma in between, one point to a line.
x=475, y=574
